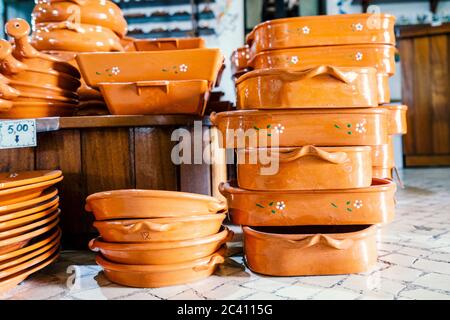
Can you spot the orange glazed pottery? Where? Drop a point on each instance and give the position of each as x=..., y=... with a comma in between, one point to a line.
x=382, y=172
x=320, y=127
x=200, y=64
x=305, y=168
x=26, y=110
x=21, y=178
x=239, y=59
x=161, y=252
x=48, y=195
x=311, y=250
x=135, y=203
x=383, y=154
x=397, y=121
x=284, y=88
x=371, y=205
x=154, y=276
x=322, y=31
x=23, y=193
x=160, y=229
x=12, y=226
x=29, y=211
x=43, y=219
x=168, y=44
x=156, y=97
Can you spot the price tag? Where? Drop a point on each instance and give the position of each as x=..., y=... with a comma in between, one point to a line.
x=17, y=133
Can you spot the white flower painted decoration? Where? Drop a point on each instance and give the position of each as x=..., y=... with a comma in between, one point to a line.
x=246, y=92
x=115, y=70
x=359, y=27
x=280, y=205
x=358, y=204
x=358, y=56
x=294, y=59
x=279, y=128
x=360, y=128
x=306, y=30
x=183, y=68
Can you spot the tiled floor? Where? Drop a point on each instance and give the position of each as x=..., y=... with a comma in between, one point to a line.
x=414, y=263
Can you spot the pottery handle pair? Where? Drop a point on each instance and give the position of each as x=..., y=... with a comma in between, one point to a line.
x=215, y=259
x=309, y=150
x=312, y=240
x=142, y=86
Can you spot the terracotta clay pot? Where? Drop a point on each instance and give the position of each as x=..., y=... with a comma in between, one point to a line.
x=327, y=30
x=199, y=64
x=154, y=276
x=23, y=51
x=23, y=193
x=383, y=155
x=161, y=252
x=26, y=110
x=371, y=205
x=312, y=250
x=159, y=229
x=283, y=89
x=168, y=44
x=30, y=210
x=47, y=195
x=305, y=168
x=382, y=172
x=67, y=36
x=239, y=59
x=156, y=97
x=14, y=225
x=331, y=127
x=397, y=120
x=135, y=203
x=95, y=12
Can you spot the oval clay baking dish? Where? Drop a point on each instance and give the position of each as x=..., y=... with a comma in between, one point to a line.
x=154, y=276
x=310, y=250
x=282, y=89
x=135, y=203
x=322, y=31
x=371, y=205
x=162, y=252
x=304, y=168
x=160, y=229
x=323, y=127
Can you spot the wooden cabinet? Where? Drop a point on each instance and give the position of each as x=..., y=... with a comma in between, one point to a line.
x=424, y=54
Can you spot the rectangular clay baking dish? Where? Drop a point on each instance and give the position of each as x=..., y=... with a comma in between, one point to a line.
x=311, y=250
x=371, y=205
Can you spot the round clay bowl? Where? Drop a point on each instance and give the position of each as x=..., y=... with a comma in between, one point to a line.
x=92, y=39
x=283, y=89
x=310, y=250
x=371, y=205
x=304, y=168
x=23, y=193
x=47, y=196
x=154, y=276
x=43, y=90
x=10, y=282
x=163, y=252
x=135, y=203
x=159, y=229
x=22, y=178
x=327, y=30
x=95, y=12
x=47, y=78
x=34, y=221
x=26, y=110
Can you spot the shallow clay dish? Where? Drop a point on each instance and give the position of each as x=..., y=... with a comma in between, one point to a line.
x=135, y=203
x=397, y=120
x=27, y=110
x=48, y=194
x=160, y=229
x=331, y=127
x=327, y=30
x=304, y=168
x=25, y=220
x=21, y=178
x=382, y=172
x=23, y=193
x=154, y=276
x=282, y=89
x=311, y=250
x=30, y=211
x=161, y=252
x=200, y=64
x=156, y=97
x=168, y=44
x=371, y=205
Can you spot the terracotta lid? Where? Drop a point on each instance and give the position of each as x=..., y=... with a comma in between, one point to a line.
x=17, y=179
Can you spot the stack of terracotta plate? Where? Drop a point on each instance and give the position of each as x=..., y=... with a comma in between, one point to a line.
x=158, y=238
x=34, y=84
x=307, y=191
x=29, y=216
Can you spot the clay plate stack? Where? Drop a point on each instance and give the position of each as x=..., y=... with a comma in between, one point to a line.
x=151, y=238
x=29, y=217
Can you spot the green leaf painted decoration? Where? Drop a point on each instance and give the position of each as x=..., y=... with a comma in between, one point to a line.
x=260, y=205
x=334, y=205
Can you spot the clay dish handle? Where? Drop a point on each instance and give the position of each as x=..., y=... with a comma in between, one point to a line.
x=312, y=240
x=215, y=259
x=147, y=225
x=309, y=150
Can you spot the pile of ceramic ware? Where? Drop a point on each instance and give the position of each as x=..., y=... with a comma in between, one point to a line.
x=152, y=238
x=66, y=27
x=29, y=216
x=34, y=84
x=177, y=81
x=313, y=175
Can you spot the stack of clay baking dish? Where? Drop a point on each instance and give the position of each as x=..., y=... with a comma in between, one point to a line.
x=152, y=238
x=309, y=132
x=34, y=84
x=29, y=216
